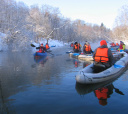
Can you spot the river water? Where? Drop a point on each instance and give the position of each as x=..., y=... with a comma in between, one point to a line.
x=48, y=86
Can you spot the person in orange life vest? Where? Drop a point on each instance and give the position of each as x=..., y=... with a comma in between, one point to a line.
x=76, y=47
x=103, y=93
x=117, y=44
x=71, y=45
x=79, y=46
x=47, y=46
x=42, y=49
x=103, y=57
x=113, y=44
x=87, y=48
x=122, y=46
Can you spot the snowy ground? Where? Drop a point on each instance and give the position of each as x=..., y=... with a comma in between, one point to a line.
x=54, y=43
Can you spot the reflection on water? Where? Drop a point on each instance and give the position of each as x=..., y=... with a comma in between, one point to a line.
x=77, y=62
x=41, y=60
x=102, y=91
x=86, y=63
x=125, y=76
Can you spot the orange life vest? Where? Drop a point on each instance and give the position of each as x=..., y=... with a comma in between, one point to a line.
x=101, y=93
x=87, y=48
x=117, y=44
x=47, y=46
x=113, y=44
x=71, y=44
x=101, y=55
x=76, y=46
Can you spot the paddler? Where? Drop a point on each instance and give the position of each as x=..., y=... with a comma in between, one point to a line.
x=42, y=49
x=103, y=57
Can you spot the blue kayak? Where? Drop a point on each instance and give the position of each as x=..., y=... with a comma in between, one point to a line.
x=40, y=54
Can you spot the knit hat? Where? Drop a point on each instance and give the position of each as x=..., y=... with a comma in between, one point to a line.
x=103, y=42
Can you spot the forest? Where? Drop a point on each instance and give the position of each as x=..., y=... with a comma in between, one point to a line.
x=24, y=25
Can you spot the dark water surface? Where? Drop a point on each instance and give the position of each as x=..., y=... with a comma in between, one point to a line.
x=29, y=86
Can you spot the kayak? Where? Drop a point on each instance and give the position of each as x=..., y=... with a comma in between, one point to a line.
x=87, y=57
x=38, y=57
x=74, y=55
x=69, y=52
x=40, y=54
x=86, y=75
x=114, y=48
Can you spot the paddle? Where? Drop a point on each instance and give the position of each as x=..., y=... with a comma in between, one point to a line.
x=50, y=53
x=118, y=66
x=118, y=91
x=33, y=45
x=46, y=50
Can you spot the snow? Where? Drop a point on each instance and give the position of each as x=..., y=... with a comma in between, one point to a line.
x=95, y=45
x=56, y=44
x=2, y=35
x=52, y=43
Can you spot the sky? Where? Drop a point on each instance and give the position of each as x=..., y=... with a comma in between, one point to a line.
x=91, y=11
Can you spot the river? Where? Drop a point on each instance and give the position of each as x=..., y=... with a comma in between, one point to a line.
x=48, y=86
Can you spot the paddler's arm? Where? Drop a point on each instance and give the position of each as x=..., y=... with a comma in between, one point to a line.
x=37, y=47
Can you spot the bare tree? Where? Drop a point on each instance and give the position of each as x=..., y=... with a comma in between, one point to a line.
x=120, y=32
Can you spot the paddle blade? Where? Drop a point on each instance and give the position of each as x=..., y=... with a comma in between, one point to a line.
x=50, y=53
x=33, y=45
x=118, y=66
x=76, y=54
x=118, y=91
